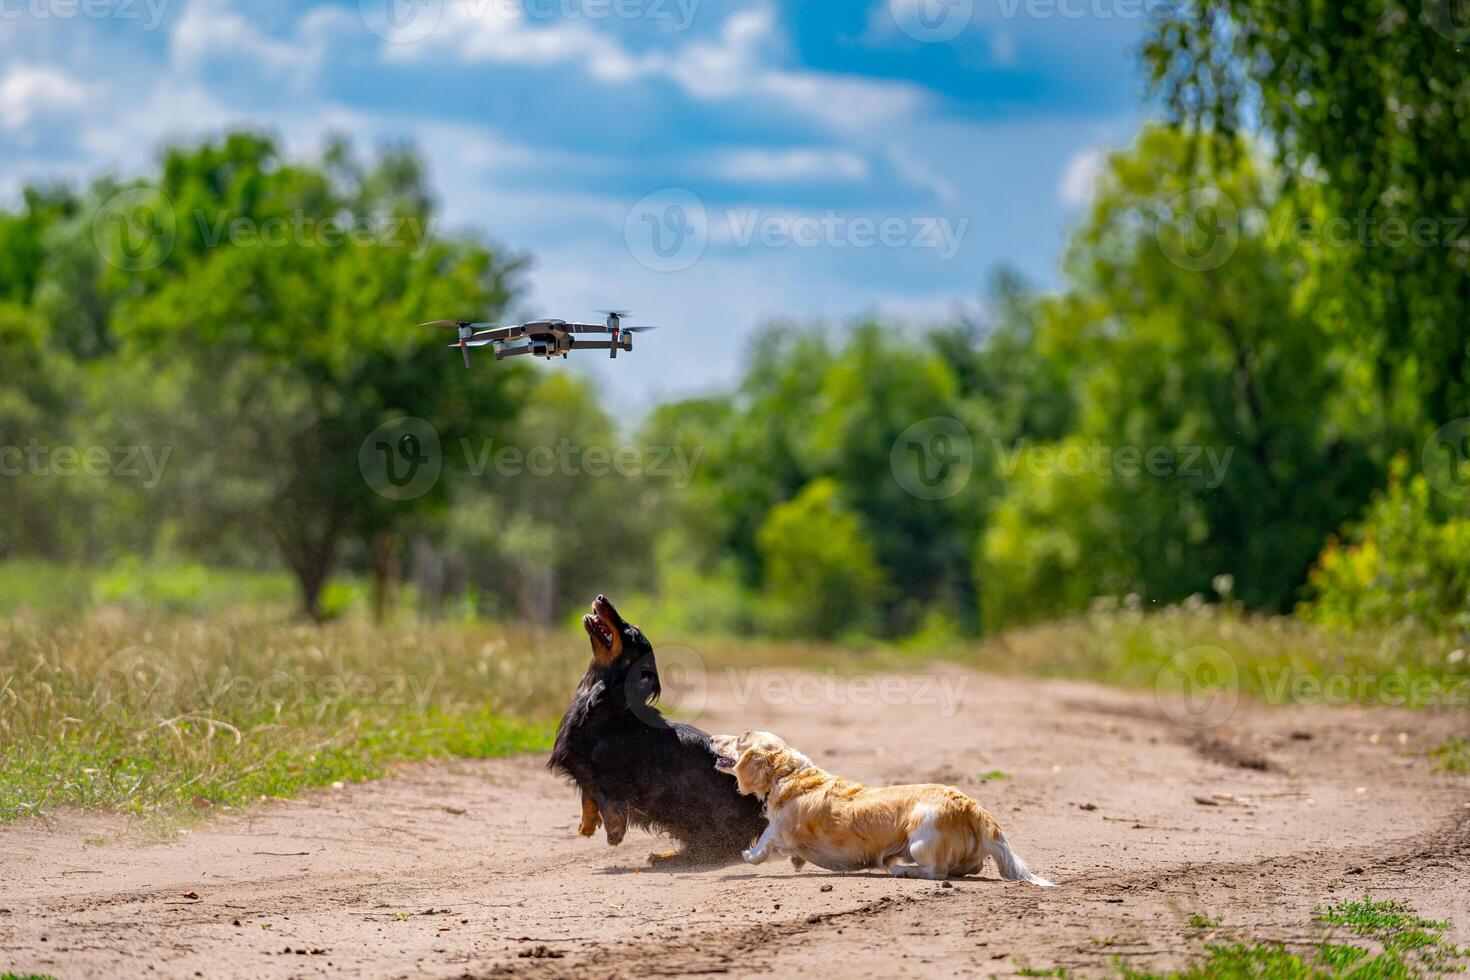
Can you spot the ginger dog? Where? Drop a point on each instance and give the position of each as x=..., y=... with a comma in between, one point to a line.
x=841, y=825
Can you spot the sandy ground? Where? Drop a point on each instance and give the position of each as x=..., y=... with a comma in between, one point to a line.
x=475, y=869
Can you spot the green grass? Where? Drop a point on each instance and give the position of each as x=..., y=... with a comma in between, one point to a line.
x=1278, y=660
x=1453, y=756
x=53, y=592
x=173, y=716
x=1400, y=945
x=1198, y=921
x=26, y=976
x=1403, y=935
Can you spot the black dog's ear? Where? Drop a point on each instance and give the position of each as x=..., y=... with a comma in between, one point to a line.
x=643, y=683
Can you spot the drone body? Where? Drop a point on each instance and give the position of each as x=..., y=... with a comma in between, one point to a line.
x=542, y=338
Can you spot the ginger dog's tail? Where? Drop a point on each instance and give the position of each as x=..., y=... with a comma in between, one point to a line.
x=1008, y=862
x=985, y=832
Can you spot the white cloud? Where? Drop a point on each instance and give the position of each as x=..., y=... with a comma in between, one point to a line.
x=28, y=92
x=211, y=30
x=734, y=65
x=918, y=172
x=1079, y=176
x=502, y=33
x=774, y=166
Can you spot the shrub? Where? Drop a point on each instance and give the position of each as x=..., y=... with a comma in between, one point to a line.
x=822, y=579
x=1404, y=561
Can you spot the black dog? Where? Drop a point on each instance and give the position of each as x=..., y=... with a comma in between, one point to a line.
x=635, y=767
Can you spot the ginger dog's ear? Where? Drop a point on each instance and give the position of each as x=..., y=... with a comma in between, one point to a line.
x=753, y=772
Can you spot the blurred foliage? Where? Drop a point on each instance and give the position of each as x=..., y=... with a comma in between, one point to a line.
x=1220, y=370
x=248, y=321
x=1167, y=419
x=822, y=578
x=1051, y=545
x=1367, y=106
x=559, y=511
x=1405, y=561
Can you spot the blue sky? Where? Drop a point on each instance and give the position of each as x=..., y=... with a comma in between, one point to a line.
x=710, y=164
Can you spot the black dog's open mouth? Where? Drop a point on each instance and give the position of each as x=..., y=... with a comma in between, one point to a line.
x=605, y=627
x=601, y=634
x=724, y=763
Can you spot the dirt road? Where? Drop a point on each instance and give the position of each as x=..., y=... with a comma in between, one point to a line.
x=475, y=869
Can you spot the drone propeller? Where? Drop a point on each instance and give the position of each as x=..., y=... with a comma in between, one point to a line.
x=637, y=329
x=456, y=325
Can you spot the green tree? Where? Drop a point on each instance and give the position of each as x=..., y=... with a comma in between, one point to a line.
x=291, y=344
x=558, y=510
x=874, y=391
x=1211, y=358
x=1057, y=540
x=822, y=577
x=1367, y=103
x=816, y=405
x=23, y=240
x=1002, y=363
x=33, y=407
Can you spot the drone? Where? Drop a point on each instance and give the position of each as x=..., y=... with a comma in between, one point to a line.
x=542, y=338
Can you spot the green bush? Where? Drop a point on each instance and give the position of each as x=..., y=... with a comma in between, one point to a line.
x=822, y=579
x=188, y=588
x=1051, y=546
x=1404, y=561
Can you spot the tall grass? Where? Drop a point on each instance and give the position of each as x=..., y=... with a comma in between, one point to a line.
x=1279, y=660
x=149, y=714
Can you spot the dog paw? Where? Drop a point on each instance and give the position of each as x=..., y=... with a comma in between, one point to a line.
x=751, y=856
